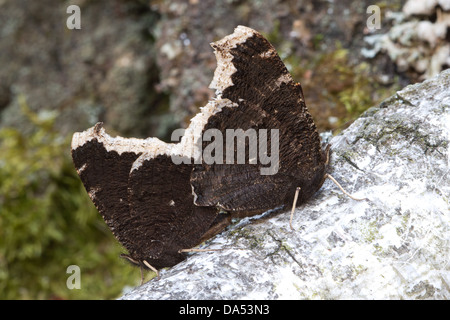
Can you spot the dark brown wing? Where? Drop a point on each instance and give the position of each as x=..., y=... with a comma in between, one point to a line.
x=162, y=204
x=149, y=209
x=104, y=164
x=232, y=190
x=251, y=74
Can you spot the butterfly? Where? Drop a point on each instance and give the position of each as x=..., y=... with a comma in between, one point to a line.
x=159, y=198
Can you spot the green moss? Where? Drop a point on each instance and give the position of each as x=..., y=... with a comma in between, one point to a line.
x=389, y=5
x=371, y=232
x=48, y=222
x=317, y=40
x=340, y=86
x=275, y=37
x=253, y=242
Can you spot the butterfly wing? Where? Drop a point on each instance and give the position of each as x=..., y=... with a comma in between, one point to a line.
x=103, y=164
x=149, y=209
x=147, y=201
x=162, y=204
x=251, y=74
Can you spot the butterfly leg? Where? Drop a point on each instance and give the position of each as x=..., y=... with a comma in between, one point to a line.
x=135, y=262
x=148, y=265
x=342, y=189
x=293, y=207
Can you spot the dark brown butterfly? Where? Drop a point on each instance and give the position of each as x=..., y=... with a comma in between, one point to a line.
x=155, y=207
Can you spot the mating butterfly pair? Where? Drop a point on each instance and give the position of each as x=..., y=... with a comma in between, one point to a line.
x=155, y=207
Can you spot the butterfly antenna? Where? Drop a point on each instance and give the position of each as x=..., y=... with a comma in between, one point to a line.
x=293, y=206
x=148, y=265
x=342, y=189
x=140, y=266
x=198, y=250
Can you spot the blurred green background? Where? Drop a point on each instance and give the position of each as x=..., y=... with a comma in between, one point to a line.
x=48, y=222
x=143, y=68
